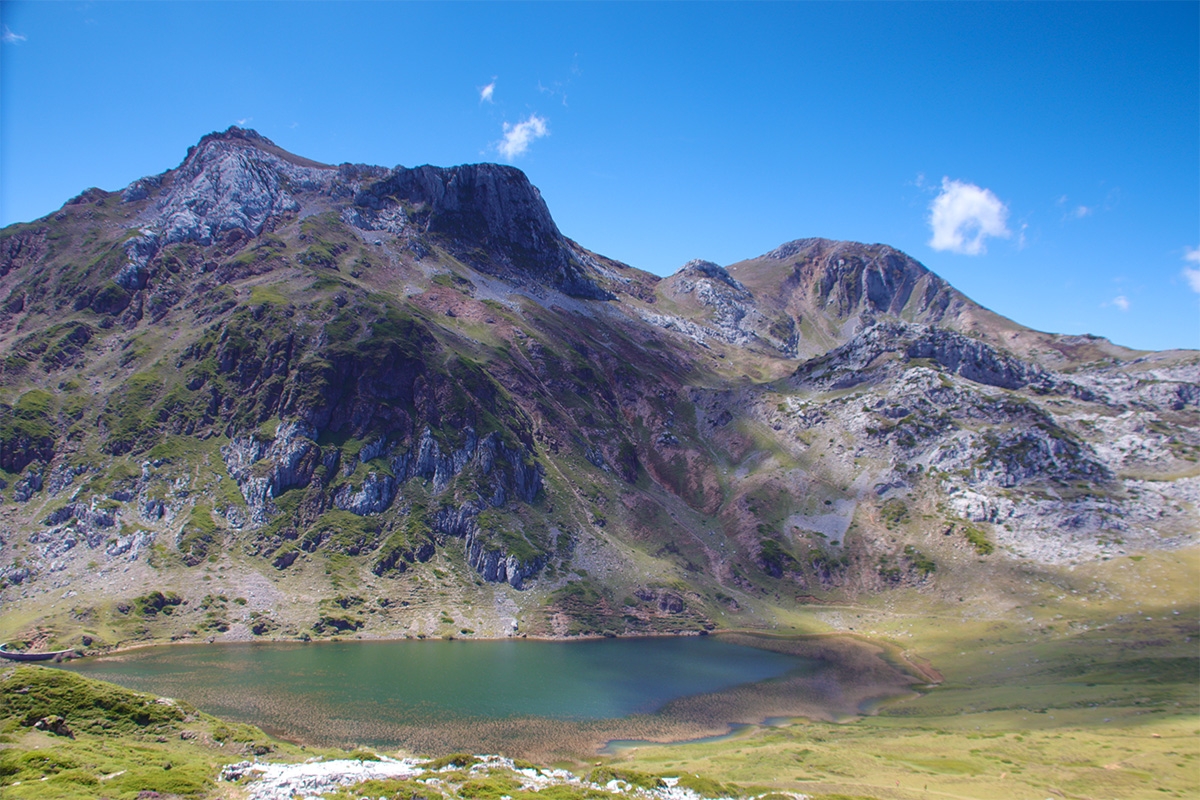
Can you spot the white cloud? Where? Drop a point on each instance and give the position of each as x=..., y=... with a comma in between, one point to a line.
x=517, y=138
x=1082, y=211
x=244, y=121
x=1121, y=302
x=963, y=215
x=11, y=38
x=486, y=92
x=1192, y=274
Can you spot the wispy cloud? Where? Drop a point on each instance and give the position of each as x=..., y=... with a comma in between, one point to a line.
x=486, y=92
x=1192, y=274
x=244, y=121
x=1121, y=302
x=8, y=37
x=517, y=138
x=557, y=89
x=963, y=215
x=1072, y=211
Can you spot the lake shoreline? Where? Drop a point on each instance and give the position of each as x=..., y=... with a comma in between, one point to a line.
x=919, y=667
x=835, y=678
x=122, y=647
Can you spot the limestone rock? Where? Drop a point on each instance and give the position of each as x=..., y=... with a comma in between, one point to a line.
x=56, y=725
x=493, y=207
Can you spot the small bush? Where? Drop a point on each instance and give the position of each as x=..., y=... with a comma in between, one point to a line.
x=493, y=787
x=773, y=559
x=706, y=787
x=603, y=775
x=979, y=540
x=919, y=561
x=153, y=603
x=337, y=623
x=893, y=512
x=456, y=760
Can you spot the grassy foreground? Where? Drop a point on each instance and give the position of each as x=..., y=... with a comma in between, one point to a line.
x=116, y=743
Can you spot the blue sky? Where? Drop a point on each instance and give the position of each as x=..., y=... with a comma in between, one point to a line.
x=1043, y=158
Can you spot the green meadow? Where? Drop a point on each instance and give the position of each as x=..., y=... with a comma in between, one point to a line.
x=1090, y=692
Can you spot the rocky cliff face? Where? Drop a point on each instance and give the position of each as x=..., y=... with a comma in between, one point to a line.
x=384, y=400
x=229, y=184
x=230, y=188
x=489, y=215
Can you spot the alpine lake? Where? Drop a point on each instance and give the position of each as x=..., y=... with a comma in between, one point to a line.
x=531, y=698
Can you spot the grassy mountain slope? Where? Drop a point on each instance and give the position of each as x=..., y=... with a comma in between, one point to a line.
x=312, y=401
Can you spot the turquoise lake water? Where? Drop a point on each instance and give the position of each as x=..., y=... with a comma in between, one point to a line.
x=281, y=685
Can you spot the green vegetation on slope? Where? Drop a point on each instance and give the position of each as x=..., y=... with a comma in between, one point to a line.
x=1091, y=696
x=63, y=736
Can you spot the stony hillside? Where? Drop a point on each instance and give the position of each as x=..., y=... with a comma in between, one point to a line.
x=260, y=396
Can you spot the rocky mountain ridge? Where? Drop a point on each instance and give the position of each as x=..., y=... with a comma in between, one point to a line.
x=399, y=400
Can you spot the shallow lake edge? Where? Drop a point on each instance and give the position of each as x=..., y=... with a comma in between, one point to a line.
x=867, y=674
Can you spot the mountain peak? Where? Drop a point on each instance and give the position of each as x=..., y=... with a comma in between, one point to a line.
x=699, y=268
x=237, y=138
x=816, y=247
x=234, y=133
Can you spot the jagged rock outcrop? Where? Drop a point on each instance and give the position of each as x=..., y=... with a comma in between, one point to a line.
x=374, y=496
x=977, y=361
x=497, y=566
x=14, y=574
x=230, y=188
x=1144, y=384
x=264, y=470
x=485, y=555
x=232, y=181
x=25, y=247
x=731, y=310
x=494, y=208
x=64, y=474
x=864, y=358
x=505, y=473
x=94, y=524
x=29, y=484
